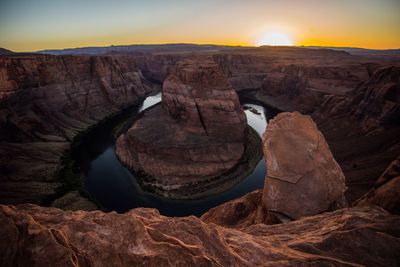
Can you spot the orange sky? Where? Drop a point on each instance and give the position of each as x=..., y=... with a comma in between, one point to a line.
x=49, y=24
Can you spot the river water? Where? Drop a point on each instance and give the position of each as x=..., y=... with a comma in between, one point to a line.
x=115, y=188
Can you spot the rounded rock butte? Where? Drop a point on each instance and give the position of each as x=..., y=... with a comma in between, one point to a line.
x=197, y=134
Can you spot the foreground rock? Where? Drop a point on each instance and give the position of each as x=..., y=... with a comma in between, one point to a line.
x=242, y=212
x=386, y=190
x=37, y=236
x=302, y=178
x=197, y=135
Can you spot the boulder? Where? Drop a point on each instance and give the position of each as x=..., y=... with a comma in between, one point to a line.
x=302, y=177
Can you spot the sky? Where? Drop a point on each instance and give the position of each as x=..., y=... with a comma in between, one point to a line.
x=33, y=25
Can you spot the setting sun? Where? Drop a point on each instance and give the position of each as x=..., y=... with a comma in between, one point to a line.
x=275, y=38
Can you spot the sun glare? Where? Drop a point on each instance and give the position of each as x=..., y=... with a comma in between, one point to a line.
x=275, y=38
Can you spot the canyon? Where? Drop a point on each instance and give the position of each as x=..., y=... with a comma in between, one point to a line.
x=234, y=234
x=194, y=140
x=344, y=211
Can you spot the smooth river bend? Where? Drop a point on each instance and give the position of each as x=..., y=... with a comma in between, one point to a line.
x=114, y=187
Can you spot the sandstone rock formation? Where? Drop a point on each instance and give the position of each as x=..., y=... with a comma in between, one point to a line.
x=386, y=190
x=45, y=102
x=198, y=95
x=327, y=84
x=197, y=135
x=85, y=89
x=38, y=236
x=74, y=201
x=302, y=178
x=242, y=212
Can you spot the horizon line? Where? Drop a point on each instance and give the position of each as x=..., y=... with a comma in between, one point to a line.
x=200, y=44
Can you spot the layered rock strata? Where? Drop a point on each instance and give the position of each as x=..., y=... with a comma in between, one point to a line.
x=45, y=102
x=197, y=134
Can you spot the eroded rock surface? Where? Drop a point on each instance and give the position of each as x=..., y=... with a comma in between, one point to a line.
x=197, y=134
x=241, y=212
x=37, y=236
x=386, y=190
x=302, y=178
x=74, y=201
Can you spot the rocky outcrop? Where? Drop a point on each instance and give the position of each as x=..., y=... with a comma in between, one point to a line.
x=197, y=135
x=385, y=193
x=37, y=236
x=302, y=178
x=45, y=102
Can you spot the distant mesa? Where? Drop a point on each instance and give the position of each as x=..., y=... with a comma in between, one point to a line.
x=5, y=52
x=185, y=147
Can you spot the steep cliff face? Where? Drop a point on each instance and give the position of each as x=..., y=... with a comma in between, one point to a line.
x=362, y=128
x=375, y=103
x=385, y=192
x=198, y=134
x=46, y=102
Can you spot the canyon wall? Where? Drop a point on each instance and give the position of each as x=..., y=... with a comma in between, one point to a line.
x=46, y=101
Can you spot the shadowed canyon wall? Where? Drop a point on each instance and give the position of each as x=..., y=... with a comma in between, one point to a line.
x=46, y=101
